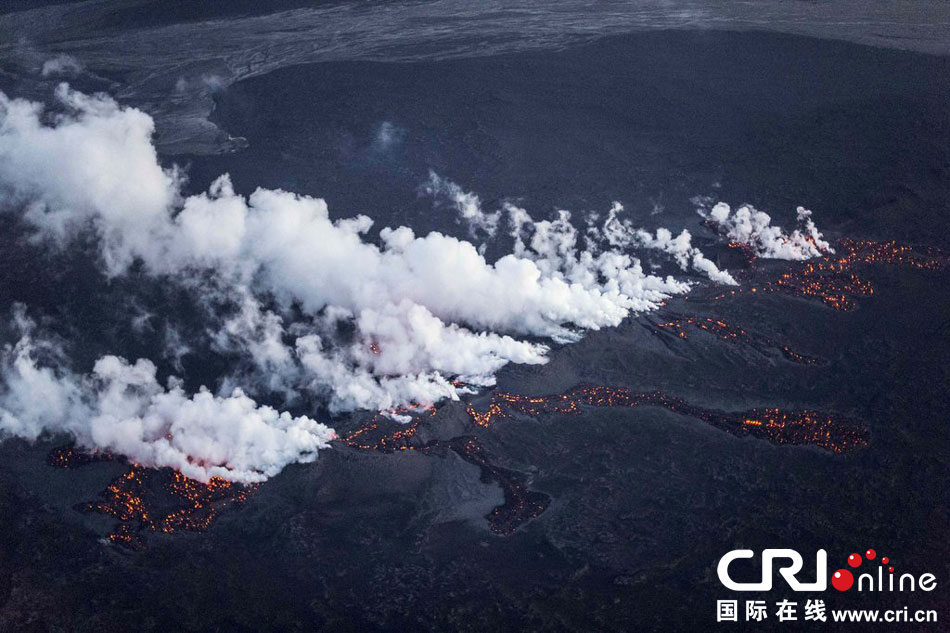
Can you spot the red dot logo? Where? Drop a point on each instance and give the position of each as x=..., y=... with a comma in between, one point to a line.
x=870, y=554
x=854, y=560
x=885, y=560
x=842, y=580
x=890, y=569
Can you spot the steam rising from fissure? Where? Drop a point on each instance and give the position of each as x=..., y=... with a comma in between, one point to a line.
x=427, y=313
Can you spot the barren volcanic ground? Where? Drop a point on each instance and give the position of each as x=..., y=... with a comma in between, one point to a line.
x=807, y=409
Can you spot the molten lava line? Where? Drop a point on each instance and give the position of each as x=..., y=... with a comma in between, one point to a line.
x=522, y=504
x=150, y=500
x=835, y=279
x=678, y=324
x=775, y=425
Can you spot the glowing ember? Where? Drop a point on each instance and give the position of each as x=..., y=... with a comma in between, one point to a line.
x=71, y=457
x=678, y=324
x=375, y=437
x=780, y=427
x=835, y=280
x=148, y=500
x=521, y=504
x=381, y=434
x=747, y=252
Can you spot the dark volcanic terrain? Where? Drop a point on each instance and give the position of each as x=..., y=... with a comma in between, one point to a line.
x=808, y=409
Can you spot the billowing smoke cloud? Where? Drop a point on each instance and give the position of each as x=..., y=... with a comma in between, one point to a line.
x=121, y=408
x=466, y=204
x=94, y=167
x=621, y=233
x=558, y=238
x=752, y=227
x=322, y=310
x=425, y=307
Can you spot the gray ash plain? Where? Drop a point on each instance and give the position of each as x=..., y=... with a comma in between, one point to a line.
x=643, y=502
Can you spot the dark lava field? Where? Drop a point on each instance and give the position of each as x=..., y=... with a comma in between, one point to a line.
x=807, y=408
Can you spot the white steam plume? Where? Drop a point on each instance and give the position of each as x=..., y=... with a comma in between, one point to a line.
x=121, y=408
x=426, y=308
x=621, y=233
x=614, y=234
x=467, y=204
x=424, y=311
x=752, y=227
x=94, y=167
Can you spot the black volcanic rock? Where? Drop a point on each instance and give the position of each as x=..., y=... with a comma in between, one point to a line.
x=606, y=519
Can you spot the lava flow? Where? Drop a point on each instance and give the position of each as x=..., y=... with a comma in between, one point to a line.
x=779, y=427
x=835, y=279
x=678, y=324
x=801, y=427
x=380, y=433
x=150, y=500
x=70, y=457
x=521, y=504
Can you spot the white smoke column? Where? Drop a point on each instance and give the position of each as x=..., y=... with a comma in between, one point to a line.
x=426, y=309
x=621, y=233
x=377, y=371
x=557, y=240
x=120, y=408
x=752, y=227
x=201, y=435
x=36, y=398
x=553, y=247
x=96, y=166
x=466, y=204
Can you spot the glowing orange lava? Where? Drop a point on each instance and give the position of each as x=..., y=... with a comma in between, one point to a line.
x=780, y=427
x=149, y=500
x=381, y=434
x=523, y=504
x=678, y=324
x=71, y=457
x=835, y=279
